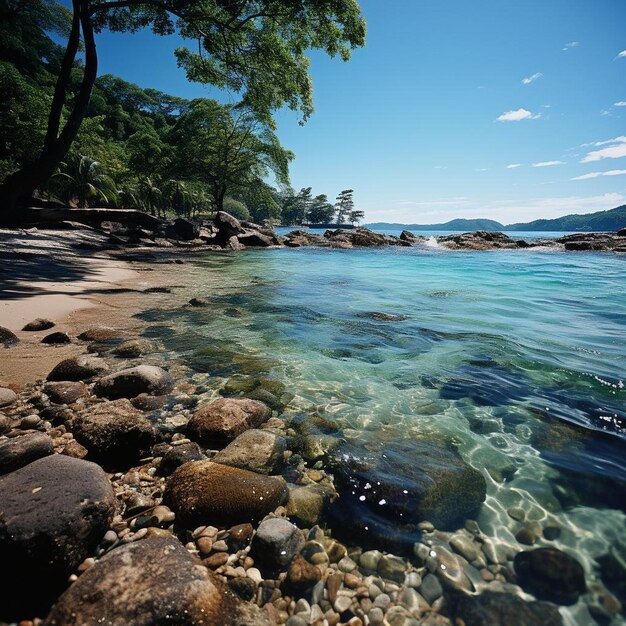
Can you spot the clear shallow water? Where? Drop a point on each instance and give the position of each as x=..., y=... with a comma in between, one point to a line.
x=518, y=357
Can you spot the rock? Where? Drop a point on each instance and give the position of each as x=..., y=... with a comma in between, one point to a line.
x=621, y=233
x=479, y=240
x=256, y=450
x=431, y=588
x=204, y=492
x=149, y=582
x=179, y=455
x=550, y=574
x=254, y=238
x=75, y=450
x=22, y=450
x=146, y=402
x=78, y=368
x=306, y=504
x=463, y=545
x=407, y=235
x=57, y=338
x=276, y=543
x=392, y=568
x=385, y=493
x=613, y=571
x=245, y=588
x=185, y=230
x=99, y=334
x=133, y=381
x=369, y=560
x=503, y=609
x=227, y=226
x=199, y=302
x=5, y=424
x=7, y=337
x=65, y=392
x=302, y=576
x=114, y=433
x=133, y=348
x=217, y=423
x=53, y=514
x=39, y=324
x=526, y=536
x=7, y=396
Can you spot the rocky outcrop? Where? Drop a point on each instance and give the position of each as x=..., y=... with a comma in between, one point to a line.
x=78, y=368
x=550, y=574
x=114, y=433
x=233, y=234
x=153, y=581
x=53, y=513
x=204, y=492
x=217, y=423
x=479, y=240
x=382, y=497
x=22, y=450
x=133, y=381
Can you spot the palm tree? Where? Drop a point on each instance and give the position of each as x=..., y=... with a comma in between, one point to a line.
x=150, y=196
x=82, y=178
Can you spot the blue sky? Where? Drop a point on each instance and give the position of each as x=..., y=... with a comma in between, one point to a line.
x=423, y=122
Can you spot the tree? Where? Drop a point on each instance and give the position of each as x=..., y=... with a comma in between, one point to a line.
x=228, y=149
x=256, y=48
x=295, y=207
x=344, y=205
x=321, y=211
x=355, y=216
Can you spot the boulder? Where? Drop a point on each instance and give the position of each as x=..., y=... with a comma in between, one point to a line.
x=146, y=402
x=185, y=229
x=65, y=392
x=53, y=513
x=5, y=424
x=204, y=492
x=254, y=238
x=256, y=450
x=150, y=582
x=407, y=235
x=78, y=368
x=275, y=543
x=179, y=455
x=227, y=226
x=217, y=423
x=621, y=233
x=198, y=302
x=7, y=396
x=7, y=337
x=56, y=338
x=385, y=492
x=133, y=381
x=99, y=334
x=550, y=574
x=22, y=450
x=133, y=348
x=306, y=504
x=114, y=433
x=491, y=608
x=39, y=324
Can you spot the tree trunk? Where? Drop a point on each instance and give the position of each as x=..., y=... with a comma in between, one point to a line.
x=18, y=188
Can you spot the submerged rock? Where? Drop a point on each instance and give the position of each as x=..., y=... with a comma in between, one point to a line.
x=149, y=582
x=256, y=450
x=53, y=513
x=22, y=450
x=78, y=368
x=204, y=492
x=133, y=348
x=179, y=455
x=385, y=493
x=219, y=422
x=114, y=433
x=550, y=574
x=133, y=381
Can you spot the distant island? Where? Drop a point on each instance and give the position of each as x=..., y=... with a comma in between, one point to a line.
x=607, y=221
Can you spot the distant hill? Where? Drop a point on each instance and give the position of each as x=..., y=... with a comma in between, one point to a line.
x=612, y=220
x=608, y=221
x=459, y=224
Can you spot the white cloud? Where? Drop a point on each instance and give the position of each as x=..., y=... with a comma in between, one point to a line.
x=571, y=44
x=512, y=166
x=615, y=150
x=621, y=103
x=481, y=169
x=620, y=139
x=548, y=163
x=530, y=79
x=622, y=54
x=517, y=116
x=596, y=174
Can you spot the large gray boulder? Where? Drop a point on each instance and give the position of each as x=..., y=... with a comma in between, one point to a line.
x=133, y=381
x=114, y=433
x=204, y=492
x=78, y=368
x=148, y=583
x=53, y=513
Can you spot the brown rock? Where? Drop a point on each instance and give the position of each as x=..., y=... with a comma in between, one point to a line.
x=38, y=324
x=133, y=381
x=75, y=450
x=65, y=392
x=78, y=368
x=150, y=582
x=56, y=338
x=219, y=422
x=22, y=450
x=204, y=492
x=255, y=450
x=216, y=560
x=7, y=396
x=301, y=576
x=99, y=334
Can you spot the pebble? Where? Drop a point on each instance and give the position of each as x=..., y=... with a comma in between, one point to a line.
x=464, y=546
x=392, y=568
x=342, y=603
x=369, y=560
x=426, y=527
x=351, y=581
x=414, y=580
x=382, y=601
x=254, y=574
x=517, y=513
x=431, y=588
x=346, y=564
x=205, y=545
x=220, y=546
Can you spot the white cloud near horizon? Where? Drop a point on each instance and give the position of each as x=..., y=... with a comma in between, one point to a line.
x=596, y=174
x=548, y=163
x=512, y=166
x=570, y=45
x=622, y=54
x=616, y=148
x=517, y=116
x=621, y=103
x=531, y=79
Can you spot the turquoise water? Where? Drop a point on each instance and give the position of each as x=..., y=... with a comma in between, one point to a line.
x=517, y=357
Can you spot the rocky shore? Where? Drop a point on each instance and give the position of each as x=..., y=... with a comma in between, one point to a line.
x=133, y=493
